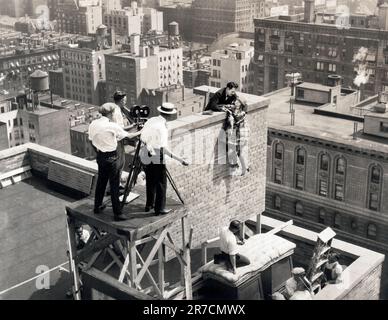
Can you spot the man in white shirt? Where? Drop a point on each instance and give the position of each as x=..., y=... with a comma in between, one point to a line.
x=229, y=241
x=155, y=139
x=104, y=135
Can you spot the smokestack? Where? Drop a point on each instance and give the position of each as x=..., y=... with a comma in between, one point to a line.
x=334, y=80
x=309, y=11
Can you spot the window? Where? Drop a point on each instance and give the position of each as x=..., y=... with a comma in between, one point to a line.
x=320, y=66
x=279, y=151
x=300, y=93
x=340, y=167
x=384, y=127
x=337, y=221
x=278, y=176
x=339, y=192
x=15, y=122
x=321, y=216
x=324, y=162
x=277, y=202
x=300, y=156
x=354, y=224
x=299, y=209
x=332, y=67
x=299, y=184
x=375, y=176
x=372, y=231
x=373, y=201
x=323, y=188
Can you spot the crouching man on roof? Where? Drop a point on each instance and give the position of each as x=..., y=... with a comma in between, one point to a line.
x=229, y=241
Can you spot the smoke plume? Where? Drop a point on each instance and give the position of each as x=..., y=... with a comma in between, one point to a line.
x=361, y=67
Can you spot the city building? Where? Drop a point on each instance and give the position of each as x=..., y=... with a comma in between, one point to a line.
x=330, y=167
x=79, y=18
x=316, y=45
x=84, y=66
x=233, y=64
x=110, y=5
x=33, y=122
x=16, y=8
x=124, y=22
x=212, y=18
x=17, y=64
x=182, y=14
x=56, y=82
x=145, y=67
x=152, y=20
x=195, y=76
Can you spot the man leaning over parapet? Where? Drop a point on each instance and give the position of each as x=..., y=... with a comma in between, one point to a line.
x=223, y=98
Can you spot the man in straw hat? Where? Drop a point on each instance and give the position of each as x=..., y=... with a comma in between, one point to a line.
x=155, y=139
x=105, y=134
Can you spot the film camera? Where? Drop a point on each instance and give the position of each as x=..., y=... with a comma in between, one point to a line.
x=138, y=114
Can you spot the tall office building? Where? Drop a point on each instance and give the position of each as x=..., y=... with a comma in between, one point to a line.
x=212, y=18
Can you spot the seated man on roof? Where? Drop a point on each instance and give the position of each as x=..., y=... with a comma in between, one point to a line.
x=229, y=241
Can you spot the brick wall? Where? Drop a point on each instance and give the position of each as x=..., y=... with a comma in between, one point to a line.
x=15, y=158
x=212, y=196
x=359, y=159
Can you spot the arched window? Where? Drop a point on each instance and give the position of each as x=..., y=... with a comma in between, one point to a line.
x=372, y=231
x=279, y=151
x=299, y=209
x=277, y=202
x=374, y=187
x=340, y=166
x=375, y=174
x=324, y=162
x=322, y=216
x=300, y=156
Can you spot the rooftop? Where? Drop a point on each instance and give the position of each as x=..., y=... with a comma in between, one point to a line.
x=320, y=126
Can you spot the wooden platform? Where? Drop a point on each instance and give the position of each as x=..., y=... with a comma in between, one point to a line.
x=139, y=223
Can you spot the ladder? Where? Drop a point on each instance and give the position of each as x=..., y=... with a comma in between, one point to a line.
x=316, y=268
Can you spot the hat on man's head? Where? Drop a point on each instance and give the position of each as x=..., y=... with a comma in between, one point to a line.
x=107, y=108
x=118, y=95
x=167, y=108
x=234, y=226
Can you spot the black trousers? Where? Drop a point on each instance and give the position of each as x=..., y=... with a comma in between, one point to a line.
x=241, y=260
x=156, y=186
x=109, y=169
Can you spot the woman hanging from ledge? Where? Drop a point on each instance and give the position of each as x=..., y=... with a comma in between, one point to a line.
x=237, y=135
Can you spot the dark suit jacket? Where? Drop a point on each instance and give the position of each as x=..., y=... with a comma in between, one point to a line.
x=219, y=99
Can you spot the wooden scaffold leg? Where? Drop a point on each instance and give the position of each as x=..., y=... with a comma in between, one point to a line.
x=70, y=226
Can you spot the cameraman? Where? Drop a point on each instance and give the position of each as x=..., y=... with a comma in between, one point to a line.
x=155, y=139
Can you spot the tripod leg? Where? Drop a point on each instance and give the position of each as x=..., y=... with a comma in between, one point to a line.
x=174, y=186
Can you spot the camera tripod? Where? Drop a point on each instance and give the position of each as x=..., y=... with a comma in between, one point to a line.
x=134, y=170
